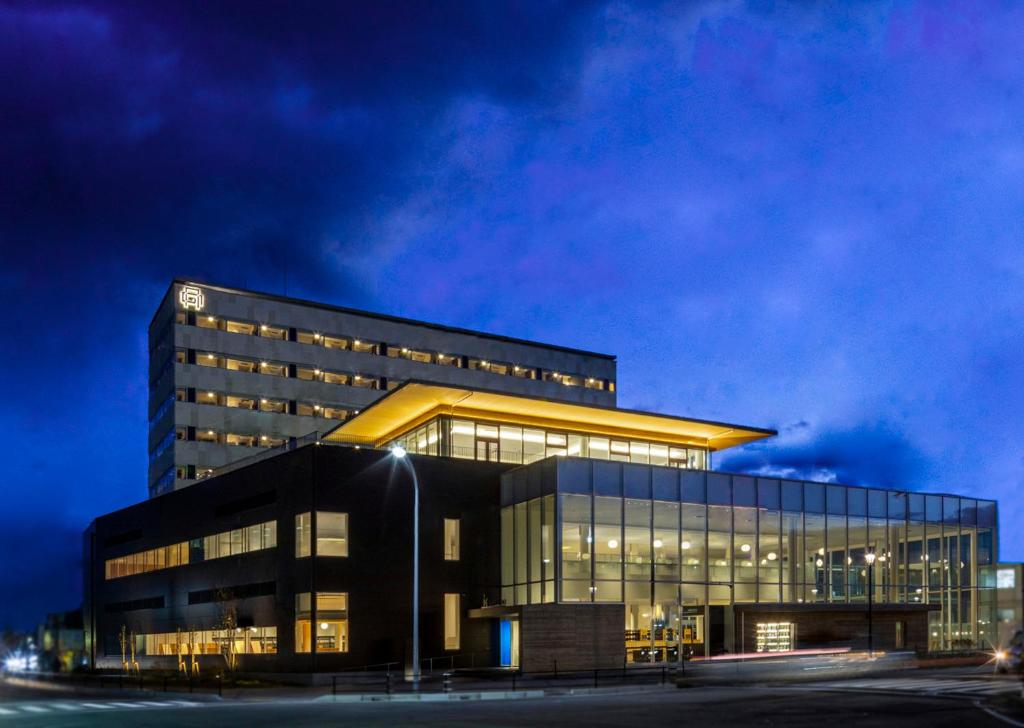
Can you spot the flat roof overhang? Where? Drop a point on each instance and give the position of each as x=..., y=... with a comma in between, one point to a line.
x=415, y=402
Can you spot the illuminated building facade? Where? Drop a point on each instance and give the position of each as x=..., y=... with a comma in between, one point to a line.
x=235, y=373
x=552, y=532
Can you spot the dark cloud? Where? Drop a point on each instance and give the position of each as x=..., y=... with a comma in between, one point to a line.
x=871, y=454
x=240, y=142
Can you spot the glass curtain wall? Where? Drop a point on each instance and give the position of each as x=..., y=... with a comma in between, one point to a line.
x=505, y=443
x=669, y=544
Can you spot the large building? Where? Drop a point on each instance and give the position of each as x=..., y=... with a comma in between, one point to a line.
x=234, y=373
x=553, y=534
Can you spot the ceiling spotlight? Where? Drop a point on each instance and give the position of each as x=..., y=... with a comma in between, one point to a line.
x=612, y=543
x=745, y=548
x=657, y=543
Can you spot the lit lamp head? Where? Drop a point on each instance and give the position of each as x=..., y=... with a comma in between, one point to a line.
x=870, y=557
x=398, y=451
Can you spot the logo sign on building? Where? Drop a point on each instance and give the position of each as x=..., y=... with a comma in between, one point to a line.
x=191, y=298
x=1005, y=579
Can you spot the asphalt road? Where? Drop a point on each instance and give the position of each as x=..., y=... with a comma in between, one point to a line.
x=793, y=707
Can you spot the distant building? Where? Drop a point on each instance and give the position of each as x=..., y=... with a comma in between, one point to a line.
x=1008, y=581
x=61, y=641
x=234, y=373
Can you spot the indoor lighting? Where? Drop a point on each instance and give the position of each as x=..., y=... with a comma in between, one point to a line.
x=209, y=356
x=685, y=545
x=821, y=551
x=772, y=556
x=404, y=350
x=209, y=432
x=263, y=401
x=657, y=543
x=612, y=543
x=745, y=548
x=210, y=318
x=209, y=394
x=357, y=342
x=263, y=437
x=252, y=629
x=870, y=557
x=263, y=327
x=324, y=625
x=483, y=363
x=819, y=562
x=316, y=371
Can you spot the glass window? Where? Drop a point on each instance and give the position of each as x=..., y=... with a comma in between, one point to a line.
x=743, y=492
x=719, y=490
x=303, y=533
x=607, y=538
x=637, y=536
x=857, y=501
x=239, y=327
x=666, y=540
x=274, y=332
x=814, y=498
x=720, y=544
x=745, y=546
x=792, y=496
x=836, y=500
x=334, y=342
x=364, y=346
x=452, y=617
x=768, y=493
x=451, y=539
x=331, y=534
x=576, y=537
x=331, y=627
x=691, y=544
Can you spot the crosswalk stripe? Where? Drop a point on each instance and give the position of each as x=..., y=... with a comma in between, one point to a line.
x=125, y=705
x=63, y=706
x=95, y=706
x=35, y=708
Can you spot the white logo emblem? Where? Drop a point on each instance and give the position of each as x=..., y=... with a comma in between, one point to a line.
x=191, y=297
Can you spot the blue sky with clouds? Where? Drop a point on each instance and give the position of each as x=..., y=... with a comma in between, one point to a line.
x=795, y=216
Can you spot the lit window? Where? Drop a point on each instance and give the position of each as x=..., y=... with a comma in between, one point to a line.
x=364, y=346
x=451, y=621
x=333, y=342
x=451, y=539
x=239, y=327
x=273, y=405
x=331, y=628
x=303, y=533
x=332, y=377
x=331, y=534
x=273, y=332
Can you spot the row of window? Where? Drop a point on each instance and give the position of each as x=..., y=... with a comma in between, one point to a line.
x=264, y=404
x=238, y=439
x=332, y=535
x=238, y=641
x=333, y=341
x=494, y=442
x=331, y=540
x=281, y=369
x=227, y=543
x=331, y=631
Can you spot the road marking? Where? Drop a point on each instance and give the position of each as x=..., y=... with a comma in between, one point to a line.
x=926, y=687
x=125, y=705
x=63, y=706
x=5, y=711
x=34, y=708
x=95, y=706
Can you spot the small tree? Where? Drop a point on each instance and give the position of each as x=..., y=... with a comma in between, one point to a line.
x=228, y=623
x=122, y=638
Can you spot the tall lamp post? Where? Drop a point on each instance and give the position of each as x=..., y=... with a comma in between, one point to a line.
x=869, y=557
x=399, y=452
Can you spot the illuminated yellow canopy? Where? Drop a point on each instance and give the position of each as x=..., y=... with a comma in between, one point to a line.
x=414, y=403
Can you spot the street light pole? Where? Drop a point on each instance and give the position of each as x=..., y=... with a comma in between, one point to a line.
x=870, y=558
x=399, y=452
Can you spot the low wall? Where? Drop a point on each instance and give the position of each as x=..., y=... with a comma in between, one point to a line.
x=571, y=637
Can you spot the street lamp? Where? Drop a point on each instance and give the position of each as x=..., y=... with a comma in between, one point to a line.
x=869, y=557
x=399, y=452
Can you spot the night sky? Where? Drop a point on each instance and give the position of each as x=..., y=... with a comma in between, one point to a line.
x=793, y=216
